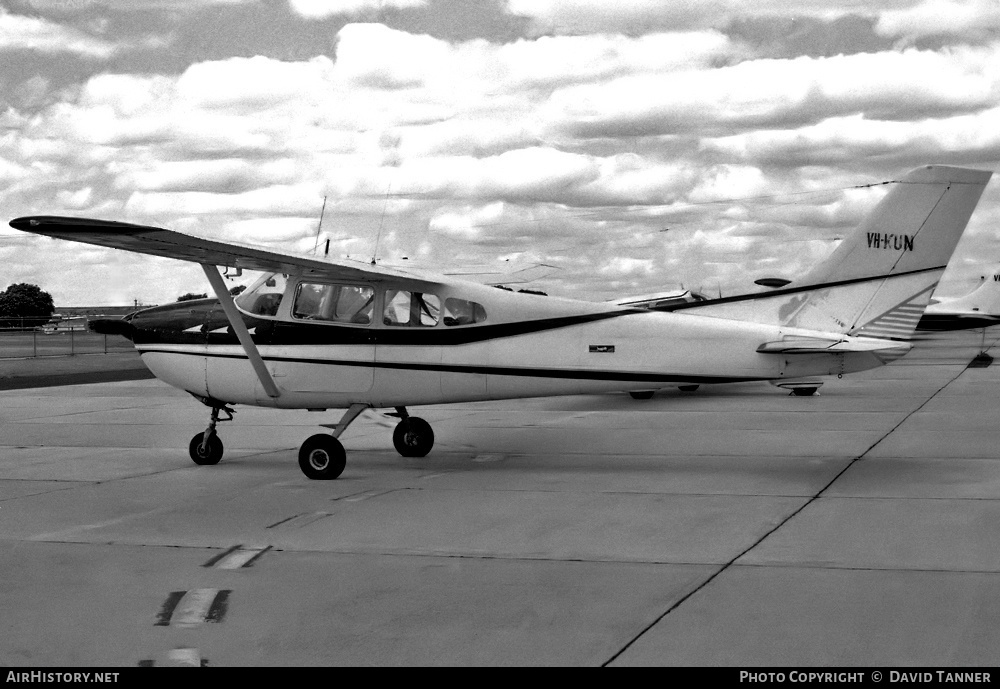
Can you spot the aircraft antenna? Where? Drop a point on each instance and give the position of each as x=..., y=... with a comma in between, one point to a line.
x=381, y=222
x=319, y=227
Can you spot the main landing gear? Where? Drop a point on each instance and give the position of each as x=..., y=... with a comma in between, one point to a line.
x=647, y=394
x=412, y=437
x=321, y=456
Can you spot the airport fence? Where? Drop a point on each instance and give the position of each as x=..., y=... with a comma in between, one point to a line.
x=23, y=338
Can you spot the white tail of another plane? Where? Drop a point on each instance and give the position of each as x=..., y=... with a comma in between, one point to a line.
x=980, y=308
x=879, y=280
x=984, y=299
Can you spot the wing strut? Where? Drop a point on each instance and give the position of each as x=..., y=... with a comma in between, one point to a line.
x=240, y=328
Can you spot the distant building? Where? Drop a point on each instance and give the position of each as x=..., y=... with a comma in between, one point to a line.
x=95, y=311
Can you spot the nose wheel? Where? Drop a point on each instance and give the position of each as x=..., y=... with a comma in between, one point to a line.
x=206, y=447
x=205, y=451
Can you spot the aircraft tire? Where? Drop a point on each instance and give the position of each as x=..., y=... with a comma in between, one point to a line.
x=322, y=457
x=804, y=392
x=642, y=394
x=212, y=452
x=413, y=437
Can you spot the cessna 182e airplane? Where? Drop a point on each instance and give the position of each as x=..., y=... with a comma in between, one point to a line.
x=318, y=333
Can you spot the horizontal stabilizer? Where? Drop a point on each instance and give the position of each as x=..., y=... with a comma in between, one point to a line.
x=810, y=345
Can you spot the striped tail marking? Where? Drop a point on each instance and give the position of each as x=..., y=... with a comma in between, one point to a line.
x=899, y=322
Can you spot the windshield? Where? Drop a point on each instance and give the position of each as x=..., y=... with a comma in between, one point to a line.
x=264, y=296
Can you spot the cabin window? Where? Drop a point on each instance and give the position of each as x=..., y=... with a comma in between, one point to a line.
x=336, y=303
x=413, y=309
x=264, y=297
x=462, y=312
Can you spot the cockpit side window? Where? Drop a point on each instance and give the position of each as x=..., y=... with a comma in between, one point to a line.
x=413, y=309
x=264, y=297
x=336, y=303
x=462, y=312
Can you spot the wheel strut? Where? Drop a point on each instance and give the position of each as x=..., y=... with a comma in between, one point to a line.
x=213, y=420
x=346, y=420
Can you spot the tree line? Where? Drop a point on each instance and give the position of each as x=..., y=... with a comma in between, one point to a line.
x=23, y=305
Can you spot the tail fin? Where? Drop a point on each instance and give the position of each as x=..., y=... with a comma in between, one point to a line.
x=879, y=280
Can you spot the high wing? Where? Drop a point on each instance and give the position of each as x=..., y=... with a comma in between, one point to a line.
x=156, y=241
x=506, y=273
x=211, y=254
x=489, y=275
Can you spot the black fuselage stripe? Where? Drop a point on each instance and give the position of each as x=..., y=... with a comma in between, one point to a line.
x=789, y=290
x=574, y=374
x=172, y=325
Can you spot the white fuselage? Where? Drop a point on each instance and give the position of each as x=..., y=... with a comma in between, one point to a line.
x=621, y=350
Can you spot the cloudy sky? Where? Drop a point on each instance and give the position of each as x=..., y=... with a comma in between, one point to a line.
x=639, y=145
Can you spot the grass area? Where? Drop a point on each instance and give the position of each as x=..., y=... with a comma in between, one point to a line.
x=18, y=344
x=44, y=371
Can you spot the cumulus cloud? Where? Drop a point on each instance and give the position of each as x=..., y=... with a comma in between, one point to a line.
x=855, y=137
x=225, y=176
x=10, y=171
x=251, y=85
x=19, y=32
x=935, y=17
x=578, y=150
x=276, y=200
x=280, y=230
x=631, y=16
x=772, y=93
x=319, y=9
x=586, y=16
x=132, y=5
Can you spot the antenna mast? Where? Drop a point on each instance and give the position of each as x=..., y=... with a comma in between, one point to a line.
x=378, y=237
x=319, y=227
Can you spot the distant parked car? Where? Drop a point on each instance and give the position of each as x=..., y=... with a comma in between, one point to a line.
x=65, y=325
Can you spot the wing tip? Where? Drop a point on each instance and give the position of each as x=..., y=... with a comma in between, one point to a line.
x=41, y=224
x=24, y=224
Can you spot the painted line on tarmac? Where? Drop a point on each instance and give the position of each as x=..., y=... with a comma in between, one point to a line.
x=300, y=520
x=237, y=557
x=184, y=657
x=178, y=657
x=193, y=608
